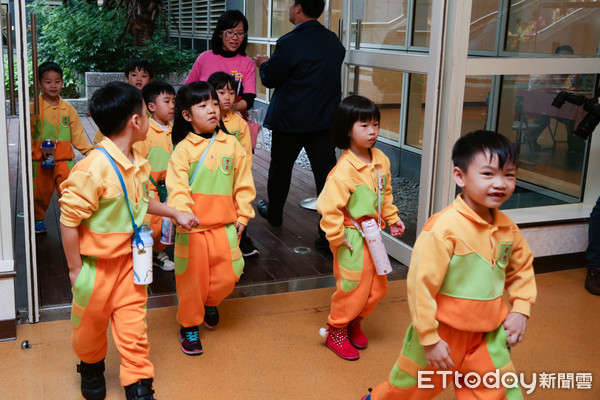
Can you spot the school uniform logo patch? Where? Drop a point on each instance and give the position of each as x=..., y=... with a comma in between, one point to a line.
x=504, y=251
x=64, y=121
x=226, y=164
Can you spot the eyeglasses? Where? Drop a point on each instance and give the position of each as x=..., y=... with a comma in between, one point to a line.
x=232, y=34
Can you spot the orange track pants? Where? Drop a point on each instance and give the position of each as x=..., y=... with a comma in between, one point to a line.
x=45, y=180
x=104, y=291
x=208, y=276
x=470, y=351
x=361, y=301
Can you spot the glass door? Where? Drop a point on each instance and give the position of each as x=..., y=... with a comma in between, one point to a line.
x=394, y=58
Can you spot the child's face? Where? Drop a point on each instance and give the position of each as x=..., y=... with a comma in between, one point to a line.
x=163, y=108
x=364, y=134
x=51, y=83
x=485, y=185
x=226, y=98
x=204, y=116
x=138, y=78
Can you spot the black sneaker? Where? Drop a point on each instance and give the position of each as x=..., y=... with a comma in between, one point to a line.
x=190, y=341
x=93, y=385
x=592, y=281
x=141, y=390
x=246, y=246
x=211, y=316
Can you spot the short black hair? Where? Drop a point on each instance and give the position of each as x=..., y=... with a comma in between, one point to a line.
x=154, y=89
x=49, y=66
x=187, y=96
x=112, y=105
x=227, y=20
x=140, y=63
x=311, y=8
x=352, y=109
x=488, y=143
x=219, y=80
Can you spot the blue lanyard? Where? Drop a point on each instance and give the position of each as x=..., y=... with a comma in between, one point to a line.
x=136, y=231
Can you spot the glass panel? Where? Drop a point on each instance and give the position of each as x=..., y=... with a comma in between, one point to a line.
x=252, y=50
x=281, y=18
x=384, y=88
x=475, y=108
x=422, y=23
x=383, y=23
x=541, y=26
x=337, y=9
x=257, y=13
x=416, y=110
x=552, y=157
x=484, y=21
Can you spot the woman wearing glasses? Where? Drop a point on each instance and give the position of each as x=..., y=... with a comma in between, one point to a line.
x=228, y=54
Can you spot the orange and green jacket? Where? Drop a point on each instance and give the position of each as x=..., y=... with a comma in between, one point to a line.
x=93, y=201
x=222, y=191
x=351, y=187
x=237, y=126
x=459, y=269
x=62, y=125
x=157, y=149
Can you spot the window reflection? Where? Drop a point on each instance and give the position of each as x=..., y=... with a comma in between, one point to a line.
x=422, y=23
x=252, y=50
x=416, y=110
x=484, y=20
x=476, y=102
x=384, y=88
x=539, y=26
x=552, y=158
x=257, y=13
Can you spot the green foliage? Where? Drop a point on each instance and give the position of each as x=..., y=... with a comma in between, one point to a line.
x=84, y=37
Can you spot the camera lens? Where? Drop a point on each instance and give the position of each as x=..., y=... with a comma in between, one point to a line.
x=587, y=126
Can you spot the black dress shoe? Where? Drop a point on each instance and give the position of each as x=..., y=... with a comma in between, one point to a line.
x=263, y=211
x=592, y=281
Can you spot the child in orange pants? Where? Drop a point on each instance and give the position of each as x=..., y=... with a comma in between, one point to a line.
x=358, y=188
x=463, y=260
x=97, y=238
x=58, y=122
x=209, y=175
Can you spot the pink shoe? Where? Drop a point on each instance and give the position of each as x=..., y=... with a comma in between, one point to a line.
x=337, y=341
x=356, y=335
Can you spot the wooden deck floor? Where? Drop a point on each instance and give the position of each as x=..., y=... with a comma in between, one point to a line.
x=277, y=262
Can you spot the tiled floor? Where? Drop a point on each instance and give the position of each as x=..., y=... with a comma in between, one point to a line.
x=269, y=348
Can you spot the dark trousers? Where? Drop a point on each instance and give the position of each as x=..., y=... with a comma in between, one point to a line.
x=592, y=253
x=285, y=148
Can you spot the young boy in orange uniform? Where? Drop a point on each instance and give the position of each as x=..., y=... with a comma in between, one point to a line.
x=463, y=260
x=138, y=72
x=97, y=238
x=57, y=121
x=157, y=148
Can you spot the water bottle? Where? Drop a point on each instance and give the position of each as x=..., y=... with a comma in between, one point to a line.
x=372, y=235
x=48, y=150
x=167, y=231
x=142, y=258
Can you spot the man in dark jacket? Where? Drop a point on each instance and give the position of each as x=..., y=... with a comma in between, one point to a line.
x=305, y=70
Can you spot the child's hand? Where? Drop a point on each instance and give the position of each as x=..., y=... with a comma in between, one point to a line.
x=239, y=227
x=186, y=220
x=347, y=243
x=438, y=355
x=515, y=325
x=397, y=229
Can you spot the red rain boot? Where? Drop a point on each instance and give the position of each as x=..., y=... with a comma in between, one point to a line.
x=337, y=341
x=356, y=335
